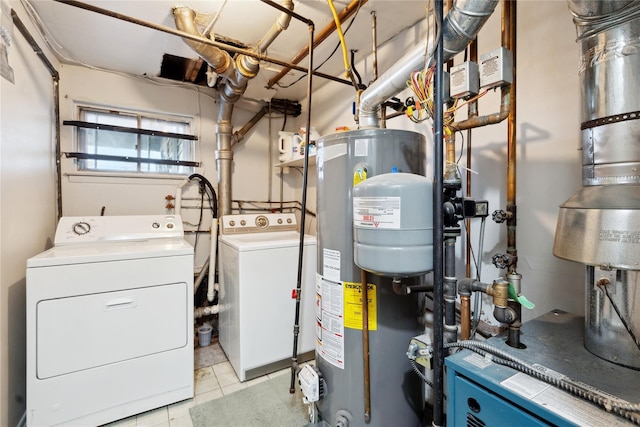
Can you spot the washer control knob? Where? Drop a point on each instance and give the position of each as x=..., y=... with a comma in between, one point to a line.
x=243, y=222
x=279, y=220
x=81, y=228
x=262, y=221
x=155, y=225
x=232, y=223
x=288, y=220
x=170, y=225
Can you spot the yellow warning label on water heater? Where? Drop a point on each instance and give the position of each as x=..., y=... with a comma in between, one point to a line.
x=353, y=306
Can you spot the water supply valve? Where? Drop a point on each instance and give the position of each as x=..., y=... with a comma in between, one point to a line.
x=499, y=216
x=502, y=260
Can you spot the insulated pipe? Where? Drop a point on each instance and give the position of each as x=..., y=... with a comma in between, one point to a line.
x=461, y=25
x=212, y=257
x=178, y=196
x=438, y=227
x=217, y=58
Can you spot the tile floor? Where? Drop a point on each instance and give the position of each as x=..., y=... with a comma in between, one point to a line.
x=213, y=378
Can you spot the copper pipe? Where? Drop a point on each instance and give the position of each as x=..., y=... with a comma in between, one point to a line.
x=465, y=320
x=203, y=40
x=320, y=37
x=491, y=119
x=365, y=346
x=509, y=35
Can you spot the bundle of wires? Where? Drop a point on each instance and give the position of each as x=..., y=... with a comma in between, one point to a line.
x=421, y=83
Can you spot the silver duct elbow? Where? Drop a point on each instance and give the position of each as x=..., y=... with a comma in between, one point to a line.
x=463, y=23
x=218, y=59
x=279, y=26
x=460, y=26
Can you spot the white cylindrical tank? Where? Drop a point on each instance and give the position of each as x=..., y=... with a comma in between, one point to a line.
x=393, y=224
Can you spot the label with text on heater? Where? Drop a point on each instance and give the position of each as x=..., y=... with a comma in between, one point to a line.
x=376, y=212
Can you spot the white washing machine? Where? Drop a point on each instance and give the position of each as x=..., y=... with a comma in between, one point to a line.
x=109, y=320
x=258, y=268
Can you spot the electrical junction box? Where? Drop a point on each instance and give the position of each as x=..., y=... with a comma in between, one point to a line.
x=464, y=80
x=496, y=68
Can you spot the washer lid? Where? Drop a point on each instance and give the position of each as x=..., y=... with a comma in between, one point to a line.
x=112, y=251
x=260, y=241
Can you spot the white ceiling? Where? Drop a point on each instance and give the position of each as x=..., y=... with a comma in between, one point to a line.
x=109, y=43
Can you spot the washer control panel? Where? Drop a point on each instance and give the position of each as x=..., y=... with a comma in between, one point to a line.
x=258, y=223
x=72, y=230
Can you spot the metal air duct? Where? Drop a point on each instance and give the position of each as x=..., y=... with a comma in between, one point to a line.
x=461, y=25
x=237, y=75
x=599, y=226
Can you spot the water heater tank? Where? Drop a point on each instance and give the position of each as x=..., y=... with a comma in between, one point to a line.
x=393, y=224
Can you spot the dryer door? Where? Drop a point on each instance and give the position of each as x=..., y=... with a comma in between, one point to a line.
x=87, y=331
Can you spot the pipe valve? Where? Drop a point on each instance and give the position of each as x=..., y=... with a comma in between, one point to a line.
x=499, y=216
x=502, y=261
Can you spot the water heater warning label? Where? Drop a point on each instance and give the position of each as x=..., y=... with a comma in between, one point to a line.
x=376, y=212
x=330, y=318
x=353, y=306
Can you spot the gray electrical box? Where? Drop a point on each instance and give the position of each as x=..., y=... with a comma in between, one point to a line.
x=496, y=68
x=464, y=80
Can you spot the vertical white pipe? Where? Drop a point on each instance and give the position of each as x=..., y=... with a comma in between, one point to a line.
x=212, y=259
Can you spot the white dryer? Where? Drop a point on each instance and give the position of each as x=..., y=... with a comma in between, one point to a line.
x=258, y=266
x=109, y=320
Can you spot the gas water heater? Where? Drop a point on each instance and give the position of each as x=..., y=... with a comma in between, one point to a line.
x=394, y=393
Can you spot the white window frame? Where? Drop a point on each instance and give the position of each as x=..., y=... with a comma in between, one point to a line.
x=141, y=168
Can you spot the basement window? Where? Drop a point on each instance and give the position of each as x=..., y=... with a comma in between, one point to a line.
x=127, y=142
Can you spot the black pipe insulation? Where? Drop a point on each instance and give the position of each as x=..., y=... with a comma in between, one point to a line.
x=438, y=230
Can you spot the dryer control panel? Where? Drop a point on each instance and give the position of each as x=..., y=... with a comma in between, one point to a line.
x=258, y=223
x=87, y=229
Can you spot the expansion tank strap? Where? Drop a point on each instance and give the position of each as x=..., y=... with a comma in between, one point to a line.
x=635, y=115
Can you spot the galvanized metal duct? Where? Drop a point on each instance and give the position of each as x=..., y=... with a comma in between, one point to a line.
x=461, y=25
x=236, y=77
x=599, y=226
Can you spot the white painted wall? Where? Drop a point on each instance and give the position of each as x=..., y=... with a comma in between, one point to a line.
x=27, y=202
x=548, y=132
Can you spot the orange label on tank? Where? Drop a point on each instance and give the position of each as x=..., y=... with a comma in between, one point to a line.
x=353, y=306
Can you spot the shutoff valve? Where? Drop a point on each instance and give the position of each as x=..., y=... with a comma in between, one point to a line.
x=502, y=260
x=500, y=216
